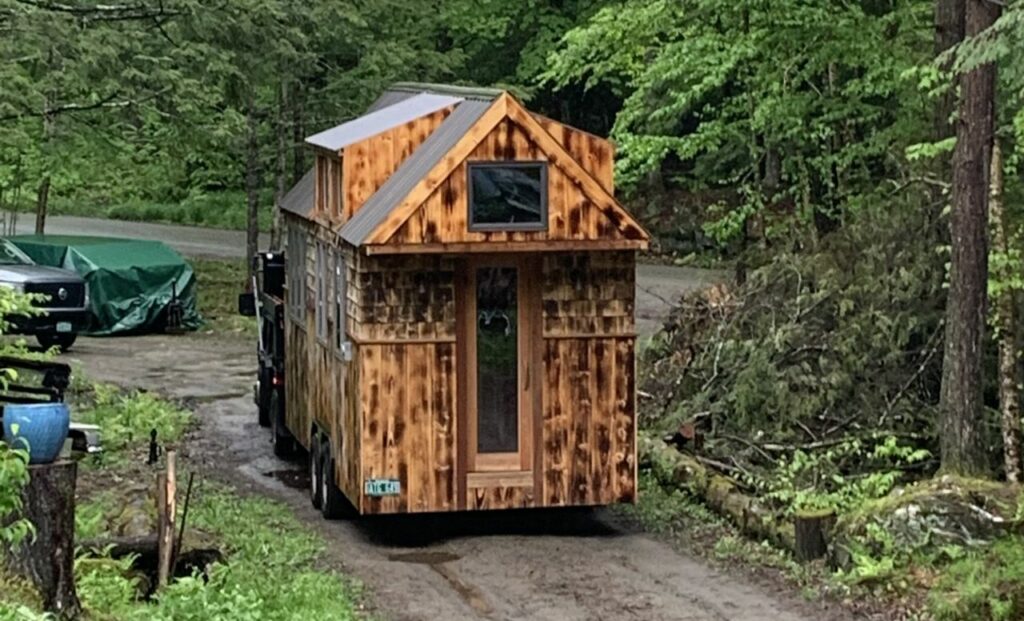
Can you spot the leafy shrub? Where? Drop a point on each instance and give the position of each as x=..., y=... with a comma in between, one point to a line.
x=127, y=418
x=983, y=584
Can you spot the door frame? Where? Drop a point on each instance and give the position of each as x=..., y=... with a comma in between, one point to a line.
x=517, y=469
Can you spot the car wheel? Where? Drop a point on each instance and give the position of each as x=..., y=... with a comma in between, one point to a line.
x=62, y=341
x=284, y=443
x=315, y=471
x=333, y=504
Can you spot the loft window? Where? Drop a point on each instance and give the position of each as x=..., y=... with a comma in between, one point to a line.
x=506, y=196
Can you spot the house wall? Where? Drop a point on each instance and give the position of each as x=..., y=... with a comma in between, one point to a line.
x=403, y=311
x=369, y=163
x=321, y=389
x=443, y=217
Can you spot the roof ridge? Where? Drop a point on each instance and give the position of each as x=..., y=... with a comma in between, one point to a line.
x=481, y=92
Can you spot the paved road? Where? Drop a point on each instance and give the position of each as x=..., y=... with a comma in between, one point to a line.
x=658, y=286
x=536, y=565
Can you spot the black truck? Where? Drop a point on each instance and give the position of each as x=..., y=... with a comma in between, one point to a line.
x=266, y=302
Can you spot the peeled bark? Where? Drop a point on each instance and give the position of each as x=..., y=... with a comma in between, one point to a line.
x=47, y=558
x=960, y=401
x=1007, y=325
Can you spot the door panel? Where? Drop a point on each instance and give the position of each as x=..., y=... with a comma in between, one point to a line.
x=497, y=295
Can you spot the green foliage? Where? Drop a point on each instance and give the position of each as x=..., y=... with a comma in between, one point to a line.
x=823, y=89
x=219, y=283
x=812, y=481
x=126, y=418
x=271, y=571
x=982, y=584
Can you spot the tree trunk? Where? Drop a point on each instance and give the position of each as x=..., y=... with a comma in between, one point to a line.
x=281, y=170
x=42, y=202
x=47, y=559
x=1007, y=327
x=960, y=403
x=252, y=186
x=298, y=139
x=949, y=30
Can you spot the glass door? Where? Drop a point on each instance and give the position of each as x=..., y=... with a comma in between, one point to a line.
x=499, y=399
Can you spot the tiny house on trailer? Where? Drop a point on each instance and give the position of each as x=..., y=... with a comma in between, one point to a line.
x=459, y=300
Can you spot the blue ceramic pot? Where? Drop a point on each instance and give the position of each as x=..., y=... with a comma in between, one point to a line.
x=39, y=427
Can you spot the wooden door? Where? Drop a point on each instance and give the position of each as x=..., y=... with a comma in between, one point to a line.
x=499, y=301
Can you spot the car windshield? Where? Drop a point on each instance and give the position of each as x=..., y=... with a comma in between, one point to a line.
x=10, y=255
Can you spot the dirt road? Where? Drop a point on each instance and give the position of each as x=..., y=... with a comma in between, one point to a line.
x=541, y=565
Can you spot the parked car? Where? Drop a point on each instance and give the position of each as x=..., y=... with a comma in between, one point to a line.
x=65, y=305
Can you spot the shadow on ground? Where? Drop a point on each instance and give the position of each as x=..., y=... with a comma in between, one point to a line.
x=426, y=529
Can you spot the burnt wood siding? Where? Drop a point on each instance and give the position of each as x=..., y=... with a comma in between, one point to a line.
x=572, y=215
x=403, y=321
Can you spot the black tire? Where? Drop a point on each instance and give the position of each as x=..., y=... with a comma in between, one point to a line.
x=263, y=401
x=284, y=443
x=333, y=504
x=316, y=471
x=62, y=341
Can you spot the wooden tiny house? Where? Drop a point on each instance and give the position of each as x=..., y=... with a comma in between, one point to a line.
x=459, y=330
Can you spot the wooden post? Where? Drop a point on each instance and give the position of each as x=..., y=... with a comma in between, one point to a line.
x=811, y=531
x=166, y=492
x=47, y=559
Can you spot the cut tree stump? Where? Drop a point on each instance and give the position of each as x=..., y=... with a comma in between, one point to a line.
x=47, y=558
x=811, y=530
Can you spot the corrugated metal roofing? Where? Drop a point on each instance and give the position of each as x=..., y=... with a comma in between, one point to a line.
x=376, y=209
x=299, y=199
x=381, y=120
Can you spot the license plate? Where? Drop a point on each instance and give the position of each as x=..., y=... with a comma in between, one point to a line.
x=382, y=487
x=63, y=326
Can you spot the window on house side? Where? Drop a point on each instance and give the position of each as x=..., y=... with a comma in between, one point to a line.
x=321, y=291
x=340, y=298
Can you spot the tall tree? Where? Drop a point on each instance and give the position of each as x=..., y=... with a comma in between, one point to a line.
x=960, y=403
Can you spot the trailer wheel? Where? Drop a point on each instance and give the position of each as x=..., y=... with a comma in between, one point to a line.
x=263, y=407
x=284, y=442
x=333, y=505
x=315, y=471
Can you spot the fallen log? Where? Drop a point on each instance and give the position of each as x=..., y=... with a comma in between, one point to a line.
x=722, y=494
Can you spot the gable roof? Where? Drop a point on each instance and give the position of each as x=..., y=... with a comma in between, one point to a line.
x=381, y=119
x=299, y=199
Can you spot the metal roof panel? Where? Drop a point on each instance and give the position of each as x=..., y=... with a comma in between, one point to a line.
x=299, y=199
x=381, y=119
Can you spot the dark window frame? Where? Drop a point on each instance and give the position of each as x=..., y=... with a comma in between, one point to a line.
x=509, y=226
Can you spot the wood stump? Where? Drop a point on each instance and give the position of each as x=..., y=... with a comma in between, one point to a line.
x=812, y=531
x=47, y=559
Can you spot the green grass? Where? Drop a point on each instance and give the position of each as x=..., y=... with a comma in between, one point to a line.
x=273, y=568
x=225, y=210
x=272, y=572
x=220, y=281
x=985, y=584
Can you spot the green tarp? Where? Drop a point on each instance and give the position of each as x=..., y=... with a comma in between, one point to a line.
x=131, y=282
